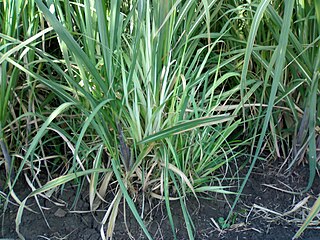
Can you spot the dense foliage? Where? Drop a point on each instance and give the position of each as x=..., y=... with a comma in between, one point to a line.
x=159, y=96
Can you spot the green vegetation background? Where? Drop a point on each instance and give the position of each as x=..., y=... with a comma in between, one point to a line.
x=157, y=94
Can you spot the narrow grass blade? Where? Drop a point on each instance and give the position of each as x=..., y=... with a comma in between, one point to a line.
x=50, y=185
x=128, y=199
x=165, y=185
x=187, y=219
x=72, y=44
x=40, y=133
x=113, y=216
x=94, y=177
x=312, y=154
x=24, y=44
x=86, y=125
x=252, y=34
x=275, y=83
x=313, y=212
x=182, y=175
x=187, y=126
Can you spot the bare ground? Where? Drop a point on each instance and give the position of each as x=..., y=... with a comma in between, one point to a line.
x=265, y=211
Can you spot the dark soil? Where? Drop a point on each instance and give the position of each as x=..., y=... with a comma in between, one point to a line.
x=255, y=215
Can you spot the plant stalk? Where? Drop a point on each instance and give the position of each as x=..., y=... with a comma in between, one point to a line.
x=8, y=160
